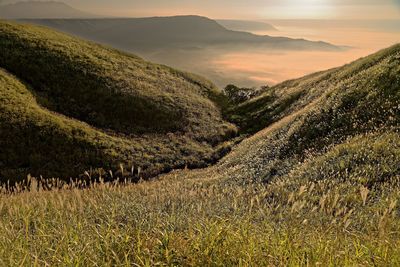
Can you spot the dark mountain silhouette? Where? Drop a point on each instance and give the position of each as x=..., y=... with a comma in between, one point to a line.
x=39, y=9
x=246, y=25
x=141, y=34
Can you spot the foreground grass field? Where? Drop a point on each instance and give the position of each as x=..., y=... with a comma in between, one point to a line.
x=183, y=219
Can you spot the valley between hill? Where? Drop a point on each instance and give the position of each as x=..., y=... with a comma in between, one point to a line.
x=312, y=178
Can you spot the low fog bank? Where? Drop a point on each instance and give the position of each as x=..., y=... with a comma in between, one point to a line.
x=254, y=67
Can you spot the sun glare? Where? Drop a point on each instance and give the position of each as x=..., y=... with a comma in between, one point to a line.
x=302, y=9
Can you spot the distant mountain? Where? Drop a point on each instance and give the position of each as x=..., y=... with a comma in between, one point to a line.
x=39, y=9
x=391, y=25
x=246, y=25
x=144, y=34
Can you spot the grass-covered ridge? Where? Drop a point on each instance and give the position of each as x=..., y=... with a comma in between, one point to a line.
x=325, y=109
x=318, y=185
x=105, y=87
x=40, y=142
x=374, y=77
x=74, y=105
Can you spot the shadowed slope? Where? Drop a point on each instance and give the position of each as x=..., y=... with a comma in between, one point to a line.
x=150, y=115
x=107, y=88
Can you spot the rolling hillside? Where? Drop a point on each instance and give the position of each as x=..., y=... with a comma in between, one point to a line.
x=170, y=118
x=318, y=185
x=341, y=123
x=86, y=106
x=315, y=180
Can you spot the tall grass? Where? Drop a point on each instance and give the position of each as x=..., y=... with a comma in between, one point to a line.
x=318, y=186
x=186, y=220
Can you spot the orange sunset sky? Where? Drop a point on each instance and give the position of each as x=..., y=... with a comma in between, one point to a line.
x=245, y=9
x=248, y=9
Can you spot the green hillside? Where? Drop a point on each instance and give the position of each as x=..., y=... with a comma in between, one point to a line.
x=315, y=180
x=87, y=106
x=304, y=118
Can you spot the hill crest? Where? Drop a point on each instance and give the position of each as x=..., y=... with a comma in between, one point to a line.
x=131, y=111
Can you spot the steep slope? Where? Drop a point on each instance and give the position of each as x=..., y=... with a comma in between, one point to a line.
x=41, y=9
x=342, y=123
x=318, y=185
x=143, y=34
x=119, y=108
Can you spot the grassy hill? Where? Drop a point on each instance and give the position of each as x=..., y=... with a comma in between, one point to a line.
x=315, y=180
x=349, y=82
x=309, y=116
x=86, y=106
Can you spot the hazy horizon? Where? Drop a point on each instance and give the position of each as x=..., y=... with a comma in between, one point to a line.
x=237, y=9
x=364, y=25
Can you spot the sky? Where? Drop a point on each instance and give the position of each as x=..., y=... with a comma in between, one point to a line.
x=245, y=9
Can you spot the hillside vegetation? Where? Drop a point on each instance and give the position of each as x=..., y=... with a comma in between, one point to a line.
x=315, y=180
x=309, y=116
x=194, y=220
x=86, y=106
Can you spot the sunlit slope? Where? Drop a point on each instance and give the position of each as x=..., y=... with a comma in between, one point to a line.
x=305, y=119
x=96, y=107
x=376, y=73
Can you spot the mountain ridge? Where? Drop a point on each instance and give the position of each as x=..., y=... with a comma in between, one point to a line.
x=246, y=25
x=175, y=31
x=41, y=9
